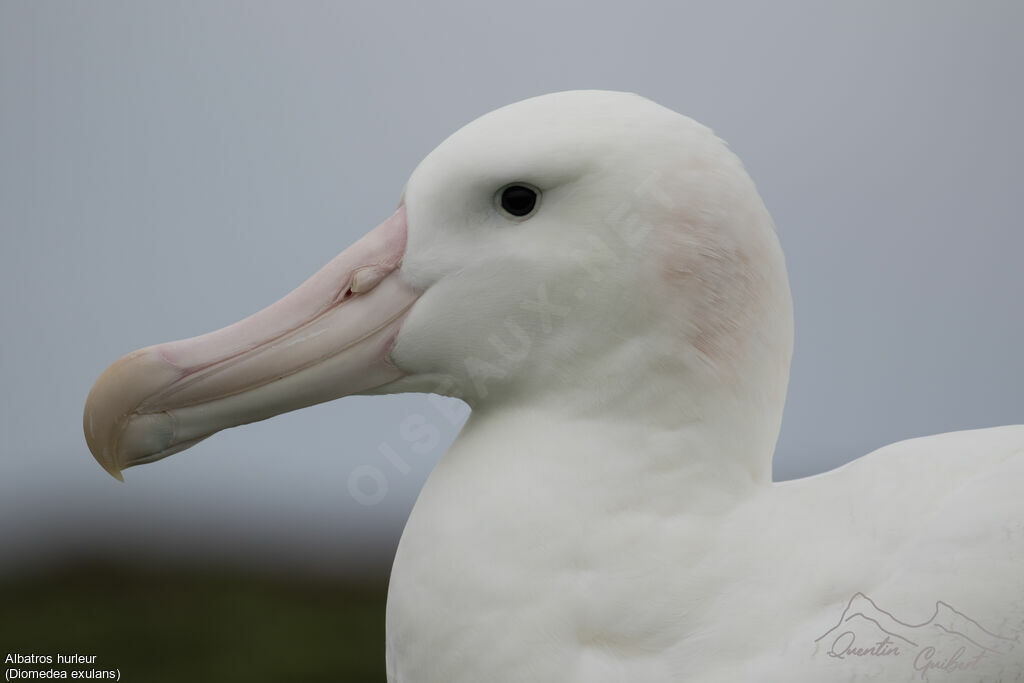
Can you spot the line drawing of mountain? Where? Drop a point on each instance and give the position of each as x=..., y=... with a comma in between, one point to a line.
x=949, y=619
x=888, y=631
x=945, y=619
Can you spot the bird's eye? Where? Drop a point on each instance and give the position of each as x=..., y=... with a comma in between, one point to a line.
x=518, y=200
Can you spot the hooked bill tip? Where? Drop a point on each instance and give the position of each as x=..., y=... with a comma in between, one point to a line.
x=111, y=404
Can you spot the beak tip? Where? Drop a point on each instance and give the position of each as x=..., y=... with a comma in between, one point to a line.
x=113, y=401
x=106, y=460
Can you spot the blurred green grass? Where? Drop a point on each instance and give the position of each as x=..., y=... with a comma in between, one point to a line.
x=174, y=625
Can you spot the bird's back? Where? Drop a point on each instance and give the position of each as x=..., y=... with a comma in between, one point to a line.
x=907, y=561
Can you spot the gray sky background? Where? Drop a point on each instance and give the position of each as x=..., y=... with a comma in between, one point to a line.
x=166, y=169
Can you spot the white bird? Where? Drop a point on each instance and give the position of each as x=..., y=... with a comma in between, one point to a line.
x=597, y=277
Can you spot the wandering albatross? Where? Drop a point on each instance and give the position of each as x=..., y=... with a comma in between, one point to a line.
x=597, y=277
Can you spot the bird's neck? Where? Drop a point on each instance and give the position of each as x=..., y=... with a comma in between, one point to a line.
x=675, y=417
x=640, y=449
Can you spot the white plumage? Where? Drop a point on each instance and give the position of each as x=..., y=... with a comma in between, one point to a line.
x=607, y=513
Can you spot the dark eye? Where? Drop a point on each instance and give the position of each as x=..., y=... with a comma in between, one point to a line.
x=518, y=200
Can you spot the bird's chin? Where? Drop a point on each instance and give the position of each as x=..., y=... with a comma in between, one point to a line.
x=331, y=337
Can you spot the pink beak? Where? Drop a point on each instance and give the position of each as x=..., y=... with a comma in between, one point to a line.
x=331, y=337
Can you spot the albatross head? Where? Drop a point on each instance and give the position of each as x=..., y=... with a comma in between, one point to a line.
x=588, y=250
